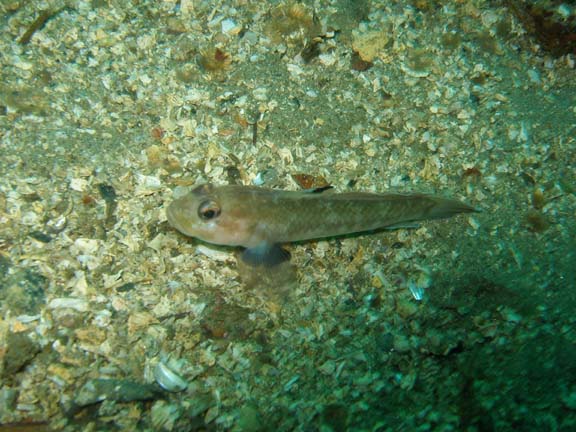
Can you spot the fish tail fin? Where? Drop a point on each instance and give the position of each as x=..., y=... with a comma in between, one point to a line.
x=444, y=208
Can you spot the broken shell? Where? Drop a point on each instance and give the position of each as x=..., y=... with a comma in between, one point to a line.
x=266, y=176
x=230, y=27
x=416, y=290
x=168, y=379
x=56, y=226
x=76, y=304
x=418, y=286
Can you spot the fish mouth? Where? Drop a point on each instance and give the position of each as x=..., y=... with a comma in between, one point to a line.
x=170, y=216
x=173, y=216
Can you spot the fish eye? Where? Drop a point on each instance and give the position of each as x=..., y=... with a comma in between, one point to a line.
x=208, y=210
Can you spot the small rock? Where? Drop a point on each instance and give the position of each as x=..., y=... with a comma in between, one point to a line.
x=20, y=350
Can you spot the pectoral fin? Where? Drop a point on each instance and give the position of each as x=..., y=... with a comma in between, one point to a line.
x=265, y=254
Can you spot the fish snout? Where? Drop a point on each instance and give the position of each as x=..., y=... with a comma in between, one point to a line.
x=179, y=218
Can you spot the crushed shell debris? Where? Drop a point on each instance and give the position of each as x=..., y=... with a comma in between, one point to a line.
x=112, y=320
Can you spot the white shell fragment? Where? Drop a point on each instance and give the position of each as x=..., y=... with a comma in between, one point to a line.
x=147, y=185
x=86, y=246
x=57, y=225
x=419, y=285
x=215, y=254
x=78, y=184
x=77, y=304
x=230, y=27
x=168, y=379
x=416, y=291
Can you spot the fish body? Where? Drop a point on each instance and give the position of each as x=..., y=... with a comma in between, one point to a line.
x=259, y=218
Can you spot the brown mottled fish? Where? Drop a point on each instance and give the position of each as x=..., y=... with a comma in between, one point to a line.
x=260, y=219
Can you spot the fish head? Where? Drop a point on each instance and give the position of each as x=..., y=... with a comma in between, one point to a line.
x=212, y=214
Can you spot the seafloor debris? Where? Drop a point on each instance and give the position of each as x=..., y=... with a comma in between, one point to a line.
x=168, y=379
x=359, y=64
x=214, y=60
x=23, y=290
x=109, y=195
x=98, y=390
x=550, y=22
x=536, y=221
x=112, y=321
x=370, y=44
x=18, y=351
x=307, y=181
x=291, y=20
x=38, y=24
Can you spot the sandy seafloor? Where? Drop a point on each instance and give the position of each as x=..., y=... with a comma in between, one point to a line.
x=111, y=320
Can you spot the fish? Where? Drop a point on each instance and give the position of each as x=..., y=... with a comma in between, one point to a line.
x=261, y=220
